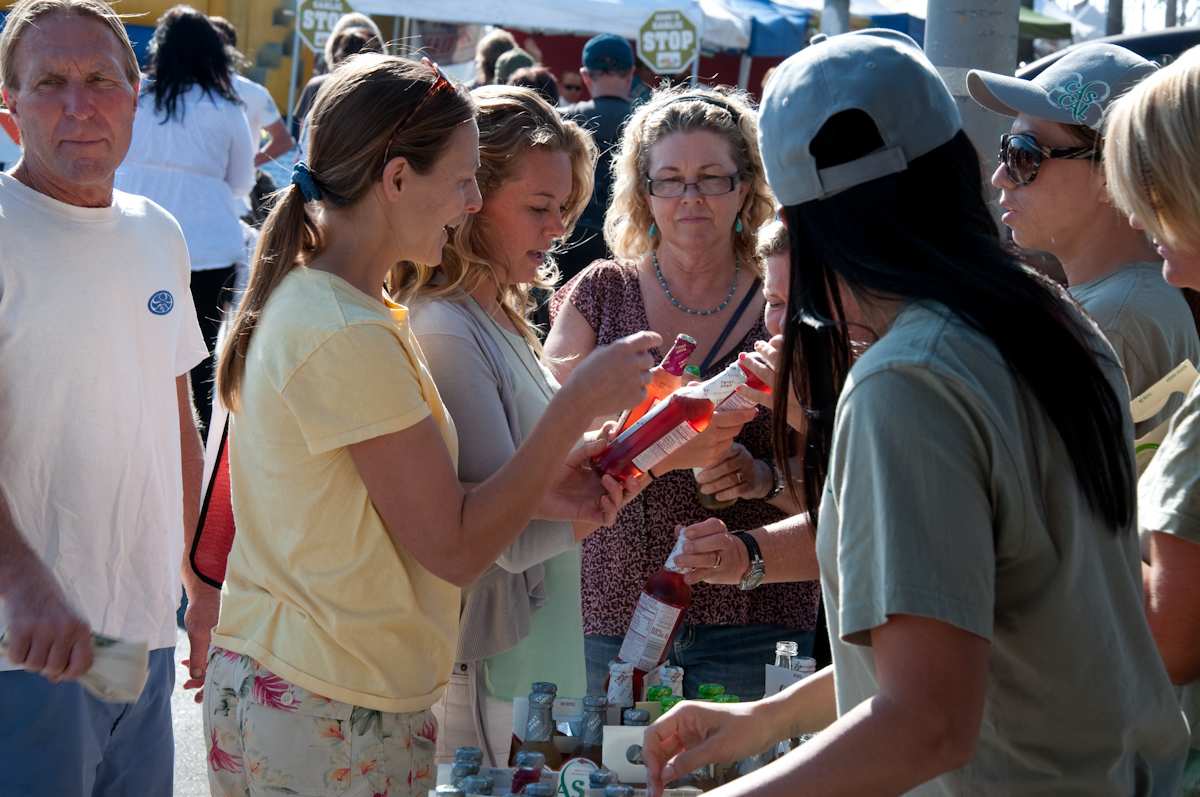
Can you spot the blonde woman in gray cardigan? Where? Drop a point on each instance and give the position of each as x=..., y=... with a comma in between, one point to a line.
x=521, y=620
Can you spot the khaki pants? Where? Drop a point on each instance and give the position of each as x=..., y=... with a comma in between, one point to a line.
x=266, y=736
x=457, y=726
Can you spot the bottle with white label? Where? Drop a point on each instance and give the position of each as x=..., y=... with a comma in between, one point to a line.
x=674, y=421
x=659, y=612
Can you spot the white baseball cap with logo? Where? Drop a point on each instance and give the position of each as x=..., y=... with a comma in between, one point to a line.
x=1074, y=90
x=882, y=73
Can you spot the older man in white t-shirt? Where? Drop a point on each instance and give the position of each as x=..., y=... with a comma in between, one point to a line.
x=100, y=460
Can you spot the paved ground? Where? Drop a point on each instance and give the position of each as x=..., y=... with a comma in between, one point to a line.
x=190, y=777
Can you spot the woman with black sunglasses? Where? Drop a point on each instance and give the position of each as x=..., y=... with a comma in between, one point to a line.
x=969, y=478
x=1054, y=198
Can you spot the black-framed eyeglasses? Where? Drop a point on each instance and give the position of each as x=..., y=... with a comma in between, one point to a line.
x=672, y=187
x=1022, y=156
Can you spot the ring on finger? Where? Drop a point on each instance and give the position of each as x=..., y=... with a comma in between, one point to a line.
x=716, y=564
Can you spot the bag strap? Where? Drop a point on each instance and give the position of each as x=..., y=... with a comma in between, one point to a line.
x=729, y=325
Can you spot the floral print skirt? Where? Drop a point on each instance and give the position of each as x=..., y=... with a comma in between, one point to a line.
x=266, y=736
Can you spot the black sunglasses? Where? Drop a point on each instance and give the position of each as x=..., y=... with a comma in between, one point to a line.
x=1022, y=156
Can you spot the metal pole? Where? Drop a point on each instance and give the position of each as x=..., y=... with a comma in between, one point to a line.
x=699, y=46
x=744, y=71
x=835, y=18
x=295, y=67
x=973, y=34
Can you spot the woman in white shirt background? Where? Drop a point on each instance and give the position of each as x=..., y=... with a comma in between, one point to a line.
x=191, y=154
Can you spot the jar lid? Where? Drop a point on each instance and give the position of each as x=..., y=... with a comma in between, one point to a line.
x=531, y=759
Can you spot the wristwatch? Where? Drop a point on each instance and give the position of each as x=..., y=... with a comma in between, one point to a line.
x=780, y=481
x=758, y=567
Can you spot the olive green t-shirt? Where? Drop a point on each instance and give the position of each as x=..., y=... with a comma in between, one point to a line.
x=951, y=496
x=1169, y=501
x=1148, y=323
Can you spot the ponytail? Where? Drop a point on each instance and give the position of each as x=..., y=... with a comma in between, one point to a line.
x=288, y=234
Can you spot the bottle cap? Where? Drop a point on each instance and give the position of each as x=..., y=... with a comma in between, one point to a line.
x=668, y=702
x=710, y=691
x=595, y=702
x=657, y=692
x=727, y=698
x=463, y=769
x=617, y=790
x=786, y=649
x=473, y=754
x=636, y=716
x=545, y=686
x=477, y=784
x=530, y=759
x=693, y=371
x=539, y=790
x=600, y=778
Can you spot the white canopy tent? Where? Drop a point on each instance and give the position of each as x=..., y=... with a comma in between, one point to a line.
x=719, y=28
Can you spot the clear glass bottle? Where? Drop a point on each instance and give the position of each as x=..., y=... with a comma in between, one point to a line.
x=518, y=740
x=539, y=729
x=785, y=654
x=591, y=745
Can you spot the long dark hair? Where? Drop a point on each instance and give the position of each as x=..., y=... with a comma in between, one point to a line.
x=926, y=234
x=187, y=51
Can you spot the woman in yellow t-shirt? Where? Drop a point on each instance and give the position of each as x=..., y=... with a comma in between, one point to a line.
x=339, y=616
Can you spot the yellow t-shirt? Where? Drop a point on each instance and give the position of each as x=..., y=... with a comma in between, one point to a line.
x=315, y=589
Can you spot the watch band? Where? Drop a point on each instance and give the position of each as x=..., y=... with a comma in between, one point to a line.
x=751, y=545
x=758, y=569
x=780, y=481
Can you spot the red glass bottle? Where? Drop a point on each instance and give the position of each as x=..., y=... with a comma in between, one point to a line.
x=664, y=380
x=660, y=609
x=673, y=422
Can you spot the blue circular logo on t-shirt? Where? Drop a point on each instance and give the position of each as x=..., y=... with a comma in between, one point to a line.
x=161, y=303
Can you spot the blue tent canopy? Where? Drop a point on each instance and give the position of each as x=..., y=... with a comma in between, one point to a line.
x=776, y=31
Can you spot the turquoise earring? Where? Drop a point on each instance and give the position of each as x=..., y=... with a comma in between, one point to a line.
x=738, y=226
x=653, y=229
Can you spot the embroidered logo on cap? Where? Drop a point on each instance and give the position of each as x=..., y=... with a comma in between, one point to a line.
x=1077, y=97
x=161, y=303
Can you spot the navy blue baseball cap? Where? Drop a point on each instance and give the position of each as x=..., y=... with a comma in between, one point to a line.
x=607, y=53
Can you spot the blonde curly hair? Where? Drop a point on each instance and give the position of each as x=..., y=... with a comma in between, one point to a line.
x=512, y=121
x=728, y=113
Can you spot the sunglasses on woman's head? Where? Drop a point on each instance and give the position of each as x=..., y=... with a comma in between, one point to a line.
x=1022, y=156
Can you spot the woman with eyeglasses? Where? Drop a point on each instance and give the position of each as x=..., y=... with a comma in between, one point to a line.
x=1150, y=159
x=689, y=197
x=1054, y=198
x=340, y=608
x=969, y=478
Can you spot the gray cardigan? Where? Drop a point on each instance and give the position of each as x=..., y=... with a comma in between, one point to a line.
x=466, y=356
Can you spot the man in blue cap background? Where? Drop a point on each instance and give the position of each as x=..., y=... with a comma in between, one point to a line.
x=608, y=73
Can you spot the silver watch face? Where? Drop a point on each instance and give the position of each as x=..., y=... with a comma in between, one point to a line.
x=754, y=576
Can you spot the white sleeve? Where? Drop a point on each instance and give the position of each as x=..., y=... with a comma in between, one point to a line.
x=239, y=171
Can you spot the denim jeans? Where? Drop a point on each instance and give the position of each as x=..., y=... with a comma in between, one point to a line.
x=731, y=655
x=57, y=740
